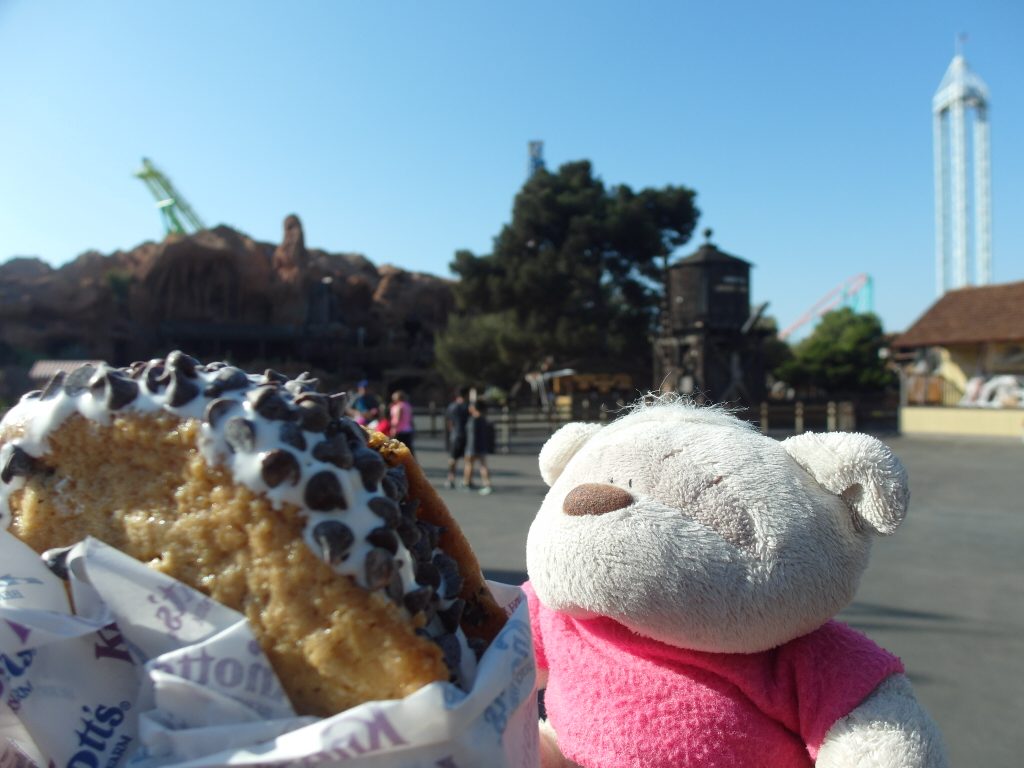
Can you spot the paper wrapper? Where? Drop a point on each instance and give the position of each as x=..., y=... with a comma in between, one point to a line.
x=149, y=672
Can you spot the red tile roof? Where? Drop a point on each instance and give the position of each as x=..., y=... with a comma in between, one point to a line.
x=970, y=316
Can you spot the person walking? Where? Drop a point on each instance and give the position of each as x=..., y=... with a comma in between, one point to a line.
x=456, y=420
x=479, y=443
x=401, y=419
x=365, y=409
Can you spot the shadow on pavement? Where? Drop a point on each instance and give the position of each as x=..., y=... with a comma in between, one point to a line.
x=505, y=577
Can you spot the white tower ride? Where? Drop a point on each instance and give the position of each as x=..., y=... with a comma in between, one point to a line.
x=959, y=91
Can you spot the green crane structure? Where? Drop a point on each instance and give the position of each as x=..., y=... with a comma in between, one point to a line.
x=177, y=214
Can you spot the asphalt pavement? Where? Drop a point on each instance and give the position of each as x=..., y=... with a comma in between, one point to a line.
x=945, y=592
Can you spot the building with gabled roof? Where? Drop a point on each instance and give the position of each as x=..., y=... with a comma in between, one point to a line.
x=967, y=350
x=986, y=314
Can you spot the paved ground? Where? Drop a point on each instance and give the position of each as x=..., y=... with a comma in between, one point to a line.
x=946, y=593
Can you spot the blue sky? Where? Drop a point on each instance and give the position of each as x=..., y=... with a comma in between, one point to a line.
x=400, y=129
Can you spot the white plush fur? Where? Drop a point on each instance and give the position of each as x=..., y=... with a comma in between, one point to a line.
x=733, y=542
x=889, y=730
x=730, y=546
x=840, y=461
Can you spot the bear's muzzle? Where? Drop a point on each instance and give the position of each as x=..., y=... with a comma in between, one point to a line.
x=595, y=499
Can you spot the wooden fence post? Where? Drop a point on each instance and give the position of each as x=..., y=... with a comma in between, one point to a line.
x=847, y=416
x=798, y=418
x=830, y=417
x=764, y=417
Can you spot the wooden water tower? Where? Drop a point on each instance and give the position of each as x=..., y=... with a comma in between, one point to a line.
x=708, y=346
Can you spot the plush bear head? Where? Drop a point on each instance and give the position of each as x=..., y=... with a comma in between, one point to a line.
x=688, y=526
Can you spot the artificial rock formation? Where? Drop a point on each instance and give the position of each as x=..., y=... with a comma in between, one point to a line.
x=221, y=293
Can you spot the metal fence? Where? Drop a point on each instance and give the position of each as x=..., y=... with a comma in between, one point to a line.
x=528, y=425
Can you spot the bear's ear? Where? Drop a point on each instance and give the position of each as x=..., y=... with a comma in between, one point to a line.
x=859, y=469
x=562, y=446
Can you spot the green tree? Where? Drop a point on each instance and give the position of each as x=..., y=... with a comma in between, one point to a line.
x=840, y=356
x=576, y=274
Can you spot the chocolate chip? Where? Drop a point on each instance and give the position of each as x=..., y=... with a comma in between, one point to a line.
x=156, y=377
x=451, y=616
x=409, y=507
x=301, y=385
x=269, y=404
x=19, y=464
x=384, y=538
x=275, y=377
x=395, y=590
x=312, y=398
x=371, y=466
x=335, y=540
x=385, y=509
x=452, y=651
x=227, y=380
x=323, y=492
x=182, y=390
x=78, y=380
x=389, y=489
x=120, y=390
x=136, y=369
x=379, y=567
x=312, y=415
x=98, y=383
x=398, y=477
x=290, y=434
x=334, y=450
x=418, y=600
x=57, y=561
x=240, y=434
x=449, y=574
x=337, y=405
x=53, y=386
x=427, y=575
x=183, y=364
x=432, y=533
x=352, y=431
x=279, y=466
x=218, y=409
x=409, y=533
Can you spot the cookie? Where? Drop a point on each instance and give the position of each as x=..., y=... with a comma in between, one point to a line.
x=257, y=491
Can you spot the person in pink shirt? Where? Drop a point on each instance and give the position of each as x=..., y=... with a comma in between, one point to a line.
x=401, y=426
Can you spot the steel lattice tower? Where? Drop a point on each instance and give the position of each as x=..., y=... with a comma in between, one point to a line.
x=960, y=91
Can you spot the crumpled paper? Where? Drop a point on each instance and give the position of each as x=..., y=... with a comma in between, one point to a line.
x=146, y=672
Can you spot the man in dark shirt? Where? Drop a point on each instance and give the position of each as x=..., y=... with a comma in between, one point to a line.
x=456, y=418
x=365, y=408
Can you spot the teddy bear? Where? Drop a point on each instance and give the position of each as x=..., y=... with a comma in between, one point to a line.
x=683, y=575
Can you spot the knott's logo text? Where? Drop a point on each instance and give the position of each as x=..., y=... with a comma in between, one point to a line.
x=110, y=644
x=14, y=581
x=351, y=737
x=96, y=737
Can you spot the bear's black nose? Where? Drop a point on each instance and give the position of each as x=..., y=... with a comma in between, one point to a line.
x=595, y=499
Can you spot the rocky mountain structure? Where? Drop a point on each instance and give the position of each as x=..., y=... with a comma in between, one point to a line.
x=219, y=294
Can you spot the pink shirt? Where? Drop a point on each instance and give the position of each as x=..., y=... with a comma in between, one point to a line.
x=401, y=417
x=617, y=699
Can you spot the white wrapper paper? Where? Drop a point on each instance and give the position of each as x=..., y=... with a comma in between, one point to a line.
x=147, y=673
